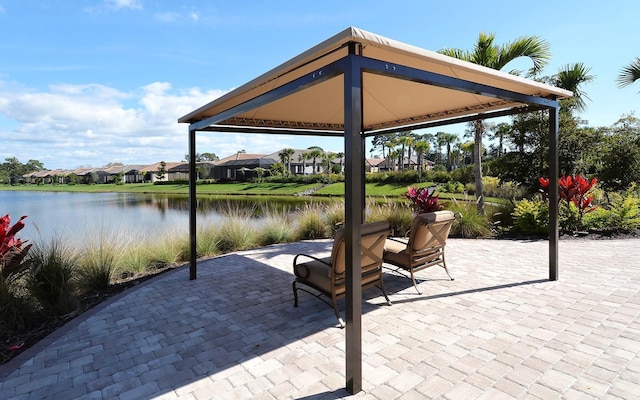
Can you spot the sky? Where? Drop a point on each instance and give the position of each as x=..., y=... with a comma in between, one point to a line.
x=92, y=82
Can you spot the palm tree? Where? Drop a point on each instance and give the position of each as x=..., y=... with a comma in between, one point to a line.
x=572, y=77
x=421, y=147
x=285, y=158
x=303, y=157
x=629, y=74
x=448, y=139
x=488, y=54
x=327, y=161
x=500, y=131
x=315, y=152
x=405, y=140
x=340, y=155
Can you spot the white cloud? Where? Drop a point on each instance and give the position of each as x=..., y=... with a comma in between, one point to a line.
x=70, y=125
x=172, y=16
x=167, y=16
x=124, y=4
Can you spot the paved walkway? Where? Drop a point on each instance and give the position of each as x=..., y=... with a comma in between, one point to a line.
x=499, y=331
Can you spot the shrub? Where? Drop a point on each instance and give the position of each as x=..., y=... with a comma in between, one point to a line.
x=424, y=199
x=494, y=187
x=12, y=252
x=236, y=233
x=16, y=307
x=623, y=213
x=100, y=259
x=134, y=261
x=440, y=176
x=399, y=215
x=207, y=241
x=334, y=215
x=275, y=228
x=501, y=216
x=469, y=223
x=453, y=187
x=52, y=278
x=168, y=249
x=310, y=224
x=531, y=217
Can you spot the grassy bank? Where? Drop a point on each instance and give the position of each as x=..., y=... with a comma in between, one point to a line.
x=245, y=188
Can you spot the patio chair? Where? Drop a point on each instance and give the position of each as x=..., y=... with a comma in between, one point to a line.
x=327, y=275
x=423, y=246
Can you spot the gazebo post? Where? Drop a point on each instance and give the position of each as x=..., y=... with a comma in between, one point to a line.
x=193, y=204
x=553, y=193
x=353, y=219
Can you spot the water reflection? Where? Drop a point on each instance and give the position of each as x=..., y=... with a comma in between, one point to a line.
x=83, y=215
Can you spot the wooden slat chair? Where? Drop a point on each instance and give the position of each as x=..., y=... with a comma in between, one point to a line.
x=424, y=245
x=327, y=275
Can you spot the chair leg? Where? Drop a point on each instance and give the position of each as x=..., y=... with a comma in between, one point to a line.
x=335, y=310
x=295, y=294
x=384, y=291
x=413, y=279
x=444, y=265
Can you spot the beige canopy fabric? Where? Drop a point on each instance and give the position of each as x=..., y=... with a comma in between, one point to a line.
x=358, y=84
x=386, y=102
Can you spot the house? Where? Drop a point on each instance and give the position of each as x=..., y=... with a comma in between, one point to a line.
x=373, y=164
x=242, y=166
x=152, y=173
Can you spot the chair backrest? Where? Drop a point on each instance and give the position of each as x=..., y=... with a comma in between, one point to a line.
x=372, y=240
x=430, y=230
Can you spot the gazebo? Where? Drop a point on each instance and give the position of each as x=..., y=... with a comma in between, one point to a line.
x=355, y=85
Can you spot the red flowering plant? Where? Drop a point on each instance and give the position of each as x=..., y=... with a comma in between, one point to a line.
x=424, y=199
x=12, y=249
x=573, y=189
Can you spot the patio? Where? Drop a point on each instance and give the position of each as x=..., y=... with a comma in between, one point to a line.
x=500, y=330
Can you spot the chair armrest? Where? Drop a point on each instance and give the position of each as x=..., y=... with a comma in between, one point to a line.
x=295, y=263
x=396, y=239
x=295, y=259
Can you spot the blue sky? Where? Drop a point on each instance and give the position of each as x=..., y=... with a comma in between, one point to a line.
x=88, y=82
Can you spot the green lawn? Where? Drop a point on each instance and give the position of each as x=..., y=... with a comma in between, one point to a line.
x=247, y=188
x=373, y=189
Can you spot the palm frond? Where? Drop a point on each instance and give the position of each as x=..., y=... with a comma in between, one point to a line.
x=629, y=74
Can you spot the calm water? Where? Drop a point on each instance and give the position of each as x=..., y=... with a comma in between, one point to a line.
x=78, y=215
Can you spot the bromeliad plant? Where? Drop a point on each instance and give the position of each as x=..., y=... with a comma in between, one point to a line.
x=575, y=191
x=424, y=199
x=12, y=250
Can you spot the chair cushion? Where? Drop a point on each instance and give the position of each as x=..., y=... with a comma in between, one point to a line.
x=316, y=273
x=395, y=252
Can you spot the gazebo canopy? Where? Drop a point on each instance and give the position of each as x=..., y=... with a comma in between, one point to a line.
x=358, y=84
x=386, y=102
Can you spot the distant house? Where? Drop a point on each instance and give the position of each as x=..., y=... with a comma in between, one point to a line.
x=409, y=164
x=151, y=172
x=242, y=166
x=373, y=164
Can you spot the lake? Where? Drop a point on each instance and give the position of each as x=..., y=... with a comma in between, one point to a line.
x=73, y=216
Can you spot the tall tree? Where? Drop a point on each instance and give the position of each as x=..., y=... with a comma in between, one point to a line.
x=573, y=77
x=285, y=158
x=303, y=157
x=421, y=147
x=340, y=155
x=448, y=139
x=629, y=74
x=315, y=152
x=383, y=142
x=489, y=54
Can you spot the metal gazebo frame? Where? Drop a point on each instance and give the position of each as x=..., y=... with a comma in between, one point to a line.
x=353, y=66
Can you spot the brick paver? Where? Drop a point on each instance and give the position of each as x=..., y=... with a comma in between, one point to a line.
x=500, y=330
